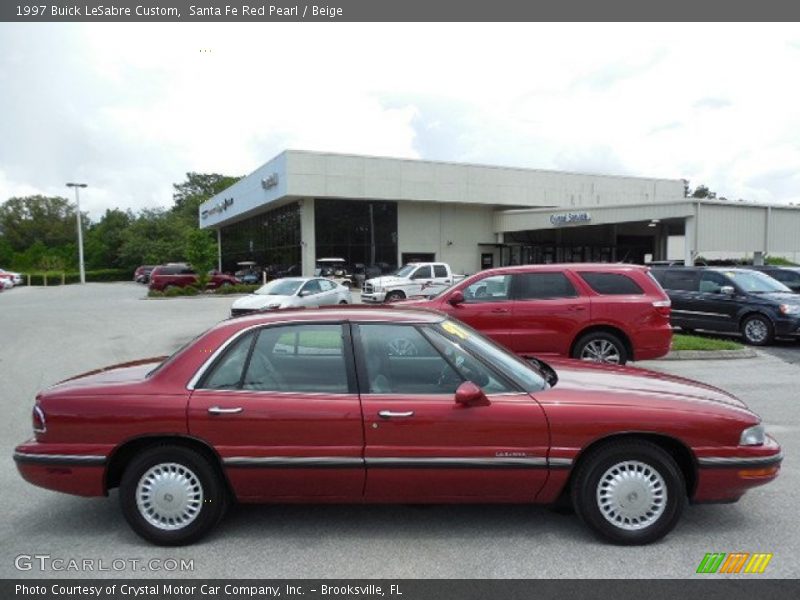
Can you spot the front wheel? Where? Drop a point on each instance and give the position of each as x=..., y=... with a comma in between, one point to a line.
x=395, y=296
x=171, y=495
x=757, y=330
x=601, y=347
x=629, y=492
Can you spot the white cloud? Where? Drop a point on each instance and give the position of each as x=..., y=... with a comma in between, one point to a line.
x=130, y=108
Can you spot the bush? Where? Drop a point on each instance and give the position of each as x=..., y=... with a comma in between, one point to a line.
x=242, y=288
x=98, y=275
x=193, y=290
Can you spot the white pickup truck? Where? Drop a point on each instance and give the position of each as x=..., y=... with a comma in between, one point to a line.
x=414, y=279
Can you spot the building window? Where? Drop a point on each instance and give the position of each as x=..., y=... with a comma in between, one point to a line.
x=271, y=239
x=360, y=232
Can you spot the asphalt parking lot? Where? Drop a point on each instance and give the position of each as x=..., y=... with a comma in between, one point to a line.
x=52, y=333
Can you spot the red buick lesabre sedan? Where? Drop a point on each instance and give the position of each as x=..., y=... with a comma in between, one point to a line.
x=388, y=405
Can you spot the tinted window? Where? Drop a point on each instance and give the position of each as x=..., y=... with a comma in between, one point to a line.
x=488, y=289
x=399, y=360
x=712, y=282
x=226, y=374
x=311, y=288
x=679, y=280
x=422, y=273
x=439, y=271
x=298, y=358
x=326, y=286
x=612, y=284
x=790, y=278
x=540, y=286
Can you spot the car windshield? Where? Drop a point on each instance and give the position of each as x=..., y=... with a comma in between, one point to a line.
x=756, y=283
x=405, y=271
x=506, y=362
x=280, y=287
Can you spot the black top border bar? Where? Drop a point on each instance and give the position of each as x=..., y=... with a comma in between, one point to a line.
x=39, y=11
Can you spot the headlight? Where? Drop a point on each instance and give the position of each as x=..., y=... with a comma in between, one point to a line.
x=274, y=306
x=790, y=309
x=752, y=436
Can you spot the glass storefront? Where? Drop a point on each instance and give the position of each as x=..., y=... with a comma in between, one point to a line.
x=358, y=231
x=271, y=239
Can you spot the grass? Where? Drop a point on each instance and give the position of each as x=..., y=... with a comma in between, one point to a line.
x=681, y=341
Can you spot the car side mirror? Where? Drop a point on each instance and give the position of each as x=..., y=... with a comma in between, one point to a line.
x=305, y=293
x=727, y=290
x=456, y=297
x=469, y=394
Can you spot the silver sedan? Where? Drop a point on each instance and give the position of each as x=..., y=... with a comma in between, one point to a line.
x=291, y=292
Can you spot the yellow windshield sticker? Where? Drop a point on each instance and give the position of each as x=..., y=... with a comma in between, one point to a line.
x=451, y=327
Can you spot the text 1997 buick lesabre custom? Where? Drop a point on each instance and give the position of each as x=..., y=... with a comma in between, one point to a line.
x=388, y=405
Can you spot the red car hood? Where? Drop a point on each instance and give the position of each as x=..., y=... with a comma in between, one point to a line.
x=586, y=382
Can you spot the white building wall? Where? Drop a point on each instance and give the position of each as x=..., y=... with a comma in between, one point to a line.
x=450, y=231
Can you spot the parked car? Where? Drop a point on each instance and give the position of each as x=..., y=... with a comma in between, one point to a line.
x=165, y=277
x=607, y=313
x=335, y=269
x=414, y=279
x=292, y=292
x=6, y=281
x=248, y=272
x=298, y=406
x=732, y=300
x=788, y=276
x=16, y=278
x=142, y=273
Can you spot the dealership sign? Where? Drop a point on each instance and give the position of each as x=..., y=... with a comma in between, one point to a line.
x=270, y=182
x=219, y=207
x=570, y=218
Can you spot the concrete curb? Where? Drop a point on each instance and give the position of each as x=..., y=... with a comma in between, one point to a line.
x=710, y=354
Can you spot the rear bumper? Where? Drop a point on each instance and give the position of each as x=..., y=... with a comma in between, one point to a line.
x=726, y=476
x=54, y=468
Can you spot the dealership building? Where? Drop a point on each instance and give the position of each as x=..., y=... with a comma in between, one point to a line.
x=302, y=206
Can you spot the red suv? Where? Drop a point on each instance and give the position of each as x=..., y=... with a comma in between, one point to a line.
x=180, y=275
x=599, y=312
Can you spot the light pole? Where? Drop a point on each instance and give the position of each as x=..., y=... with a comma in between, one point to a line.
x=80, y=228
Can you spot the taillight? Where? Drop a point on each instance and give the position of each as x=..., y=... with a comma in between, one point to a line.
x=663, y=307
x=39, y=424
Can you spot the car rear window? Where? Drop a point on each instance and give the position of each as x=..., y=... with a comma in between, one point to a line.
x=541, y=286
x=612, y=284
x=439, y=271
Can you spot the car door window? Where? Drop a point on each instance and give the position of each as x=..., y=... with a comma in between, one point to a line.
x=488, y=289
x=298, y=358
x=326, y=286
x=422, y=273
x=400, y=360
x=439, y=271
x=226, y=373
x=712, y=282
x=543, y=286
x=311, y=288
x=680, y=281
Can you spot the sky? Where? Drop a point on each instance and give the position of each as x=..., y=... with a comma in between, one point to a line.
x=130, y=108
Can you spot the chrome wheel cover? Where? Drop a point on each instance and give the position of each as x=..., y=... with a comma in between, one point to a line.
x=631, y=495
x=756, y=330
x=169, y=496
x=601, y=351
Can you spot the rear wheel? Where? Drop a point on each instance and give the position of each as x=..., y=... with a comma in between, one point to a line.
x=629, y=492
x=343, y=302
x=395, y=296
x=171, y=495
x=757, y=330
x=601, y=347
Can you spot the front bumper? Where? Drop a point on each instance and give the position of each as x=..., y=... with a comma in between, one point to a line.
x=724, y=475
x=787, y=327
x=373, y=297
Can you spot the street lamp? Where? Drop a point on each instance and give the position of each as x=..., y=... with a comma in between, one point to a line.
x=80, y=228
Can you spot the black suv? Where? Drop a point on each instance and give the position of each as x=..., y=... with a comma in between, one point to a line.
x=788, y=276
x=731, y=299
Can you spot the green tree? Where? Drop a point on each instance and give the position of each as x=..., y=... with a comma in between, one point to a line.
x=198, y=187
x=201, y=252
x=46, y=219
x=702, y=191
x=154, y=237
x=104, y=240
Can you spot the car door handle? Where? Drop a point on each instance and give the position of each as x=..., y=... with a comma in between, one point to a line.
x=389, y=414
x=577, y=308
x=218, y=410
x=500, y=310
